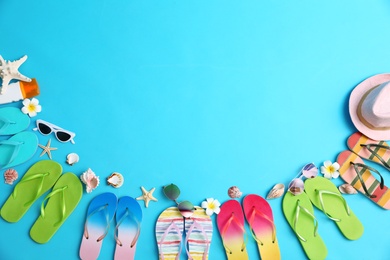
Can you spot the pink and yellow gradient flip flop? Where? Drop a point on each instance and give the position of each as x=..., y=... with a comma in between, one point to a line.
x=169, y=234
x=128, y=228
x=258, y=214
x=230, y=222
x=100, y=213
x=366, y=148
x=199, y=231
x=355, y=172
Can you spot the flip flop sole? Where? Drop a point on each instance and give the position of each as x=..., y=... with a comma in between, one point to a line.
x=349, y=175
x=314, y=246
x=20, y=121
x=64, y=198
x=25, y=192
x=349, y=224
x=262, y=228
x=129, y=228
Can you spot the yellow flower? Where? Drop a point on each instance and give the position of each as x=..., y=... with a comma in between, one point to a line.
x=330, y=170
x=31, y=107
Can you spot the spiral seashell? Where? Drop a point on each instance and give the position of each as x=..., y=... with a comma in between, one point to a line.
x=10, y=176
x=347, y=189
x=90, y=180
x=276, y=192
x=234, y=192
x=296, y=186
x=72, y=158
x=115, y=180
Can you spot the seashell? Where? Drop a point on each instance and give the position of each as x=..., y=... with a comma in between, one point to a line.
x=234, y=192
x=296, y=186
x=72, y=158
x=276, y=192
x=347, y=189
x=90, y=180
x=115, y=180
x=10, y=176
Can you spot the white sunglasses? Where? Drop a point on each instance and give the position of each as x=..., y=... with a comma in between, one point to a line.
x=61, y=134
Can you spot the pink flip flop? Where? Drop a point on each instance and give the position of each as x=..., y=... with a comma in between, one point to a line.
x=355, y=172
x=258, y=214
x=230, y=222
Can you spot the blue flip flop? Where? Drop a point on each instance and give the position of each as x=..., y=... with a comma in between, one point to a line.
x=17, y=149
x=128, y=227
x=13, y=121
x=100, y=213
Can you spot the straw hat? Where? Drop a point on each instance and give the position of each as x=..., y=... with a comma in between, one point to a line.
x=369, y=107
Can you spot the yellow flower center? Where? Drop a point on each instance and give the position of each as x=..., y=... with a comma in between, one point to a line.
x=212, y=205
x=331, y=168
x=31, y=108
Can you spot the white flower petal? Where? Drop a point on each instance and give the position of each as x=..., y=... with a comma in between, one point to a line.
x=205, y=204
x=217, y=203
x=324, y=169
x=336, y=166
x=32, y=113
x=335, y=174
x=210, y=200
x=328, y=176
x=209, y=212
x=217, y=210
x=327, y=163
x=25, y=110
x=35, y=101
x=38, y=108
x=26, y=102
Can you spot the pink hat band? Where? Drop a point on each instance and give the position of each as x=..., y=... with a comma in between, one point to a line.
x=374, y=107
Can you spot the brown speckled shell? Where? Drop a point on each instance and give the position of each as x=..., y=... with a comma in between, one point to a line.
x=234, y=192
x=10, y=176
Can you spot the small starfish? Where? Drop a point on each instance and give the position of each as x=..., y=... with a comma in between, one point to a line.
x=9, y=71
x=147, y=196
x=47, y=149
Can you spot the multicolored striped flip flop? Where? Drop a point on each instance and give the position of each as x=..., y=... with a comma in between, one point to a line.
x=128, y=227
x=199, y=231
x=258, y=214
x=326, y=197
x=169, y=233
x=100, y=213
x=299, y=213
x=366, y=148
x=355, y=172
x=230, y=221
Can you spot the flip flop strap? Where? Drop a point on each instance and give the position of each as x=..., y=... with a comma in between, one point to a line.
x=132, y=217
x=15, y=152
x=255, y=212
x=195, y=224
x=321, y=194
x=296, y=219
x=366, y=167
x=6, y=123
x=234, y=219
x=373, y=152
x=61, y=192
x=166, y=232
x=40, y=176
x=101, y=208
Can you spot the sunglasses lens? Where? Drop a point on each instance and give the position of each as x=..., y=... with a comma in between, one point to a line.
x=44, y=129
x=63, y=136
x=186, y=208
x=171, y=191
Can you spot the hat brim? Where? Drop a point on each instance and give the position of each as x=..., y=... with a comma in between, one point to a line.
x=354, y=99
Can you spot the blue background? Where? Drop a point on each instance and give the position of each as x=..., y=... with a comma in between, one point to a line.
x=204, y=94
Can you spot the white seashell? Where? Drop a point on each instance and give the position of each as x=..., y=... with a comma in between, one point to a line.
x=10, y=176
x=115, y=180
x=90, y=180
x=72, y=158
x=276, y=192
x=347, y=189
x=234, y=192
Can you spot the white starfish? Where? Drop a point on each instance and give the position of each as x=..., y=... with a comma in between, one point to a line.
x=9, y=71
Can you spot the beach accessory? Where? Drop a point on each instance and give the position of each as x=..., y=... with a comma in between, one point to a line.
x=100, y=213
x=369, y=107
x=12, y=121
x=326, y=197
x=17, y=149
x=169, y=228
x=172, y=192
x=147, y=196
x=299, y=213
x=366, y=148
x=19, y=91
x=9, y=71
x=230, y=222
x=47, y=149
x=258, y=214
x=61, y=134
x=35, y=182
x=199, y=231
x=128, y=218
x=61, y=201
x=355, y=172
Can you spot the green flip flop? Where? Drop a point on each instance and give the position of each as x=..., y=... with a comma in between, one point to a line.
x=325, y=196
x=36, y=181
x=13, y=121
x=61, y=201
x=299, y=213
